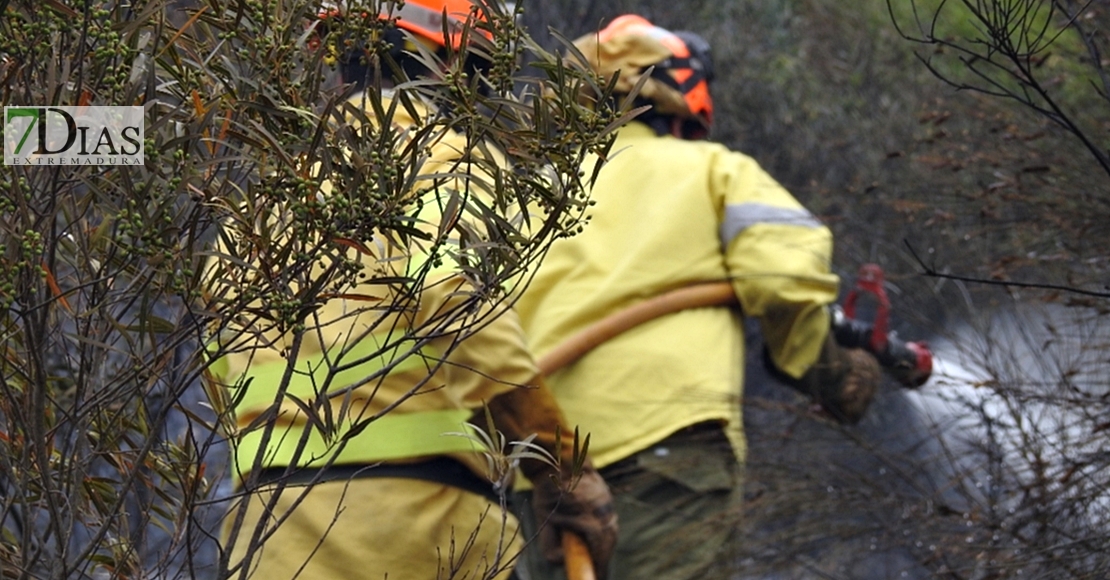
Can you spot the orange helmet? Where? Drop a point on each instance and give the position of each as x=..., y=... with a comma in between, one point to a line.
x=679, y=83
x=425, y=18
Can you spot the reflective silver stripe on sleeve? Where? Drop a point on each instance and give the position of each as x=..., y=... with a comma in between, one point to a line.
x=740, y=217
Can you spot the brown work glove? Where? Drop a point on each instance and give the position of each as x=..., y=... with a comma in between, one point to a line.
x=842, y=381
x=584, y=507
x=857, y=389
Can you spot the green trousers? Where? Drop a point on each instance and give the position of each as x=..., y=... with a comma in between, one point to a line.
x=678, y=504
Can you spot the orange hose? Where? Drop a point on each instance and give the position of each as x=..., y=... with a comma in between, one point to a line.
x=579, y=565
x=695, y=296
x=576, y=557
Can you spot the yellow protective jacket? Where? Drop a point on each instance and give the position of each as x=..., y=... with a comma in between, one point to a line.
x=426, y=342
x=444, y=363
x=670, y=213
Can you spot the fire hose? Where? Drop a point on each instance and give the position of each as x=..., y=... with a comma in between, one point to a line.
x=910, y=362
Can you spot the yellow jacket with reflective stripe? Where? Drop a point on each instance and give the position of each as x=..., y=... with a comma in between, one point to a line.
x=670, y=213
x=439, y=360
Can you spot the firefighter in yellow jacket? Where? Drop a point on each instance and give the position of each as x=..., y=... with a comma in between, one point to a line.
x=662, y=400
x=401, y=498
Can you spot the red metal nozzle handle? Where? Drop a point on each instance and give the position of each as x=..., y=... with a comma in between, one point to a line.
x=870, y=280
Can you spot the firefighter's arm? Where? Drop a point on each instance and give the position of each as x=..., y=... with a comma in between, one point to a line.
x=843, y=381
x=561, y=499
x=778, y=255
x=495, y=364
x=800, y=348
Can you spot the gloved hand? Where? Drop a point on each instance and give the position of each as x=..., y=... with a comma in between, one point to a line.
x=857, y=389
x=559, y=502
x=584, y=507
x=842, y=381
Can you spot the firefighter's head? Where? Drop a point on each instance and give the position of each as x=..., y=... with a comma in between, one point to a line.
x=677, y=87
x=420, y=24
